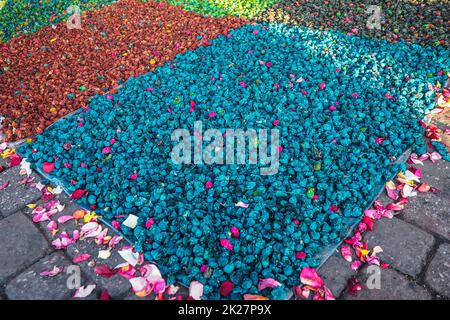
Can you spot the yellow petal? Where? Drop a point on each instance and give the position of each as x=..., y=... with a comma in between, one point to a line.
x=364, y=252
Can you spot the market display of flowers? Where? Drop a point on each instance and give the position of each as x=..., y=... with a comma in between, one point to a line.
x=347, y=107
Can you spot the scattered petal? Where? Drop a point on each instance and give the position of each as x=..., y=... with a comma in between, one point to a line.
x=196, y=290
x=310, y=277
x=83, y=292
x=346, y=253
x=131, y=221
x=267, y=283
x=51, y=273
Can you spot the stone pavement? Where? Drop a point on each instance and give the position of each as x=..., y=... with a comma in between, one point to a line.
x=416, y=244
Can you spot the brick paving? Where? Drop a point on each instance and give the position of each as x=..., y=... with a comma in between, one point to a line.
x=416, y=244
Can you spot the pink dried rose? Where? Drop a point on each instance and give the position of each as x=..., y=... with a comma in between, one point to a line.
x=78, y=194
x=134, y=176
x=208, y=185
x=234, y=232
x=226, y=244
x=48, y=167
x=149, y=223
x=226, y=288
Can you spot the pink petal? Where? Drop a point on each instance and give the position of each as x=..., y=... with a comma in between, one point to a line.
x=139, y=285
x=435, y=157
x=172, y=290
x=391, y=190
x=356, y=265
x=328, y=294
x=267, y=283
x=346, y=253
x=4, y=185
x=64, y=219
x=115, y=240
x=51, y=273
x=400, y=205
x=90, y=230
x=242, y=204
x=83, y=292
x=105, y=271
x=149, y=223
x=153, y=276
x=81, y=257
x=310, y=277
x=52, y=225
x=196, y=290
x=424, y=188
x=414, y=159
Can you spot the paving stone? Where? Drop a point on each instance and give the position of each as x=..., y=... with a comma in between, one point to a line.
x=336, y=272
x=393, y=286
x=405, y=246
x=16, y=196
x=4, y=162
x=438, y=273
x=21, y=245
x=431, y=211
x=117, y=286
x=30, y=285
